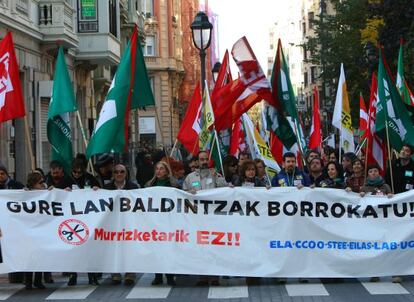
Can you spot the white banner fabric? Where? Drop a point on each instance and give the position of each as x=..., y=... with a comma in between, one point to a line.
x=281, y=232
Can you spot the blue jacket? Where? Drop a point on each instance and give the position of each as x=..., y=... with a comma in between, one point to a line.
x=284, y=179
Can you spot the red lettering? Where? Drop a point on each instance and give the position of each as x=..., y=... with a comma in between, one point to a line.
x=202, y=237
x=146, y=236
x=217, y=239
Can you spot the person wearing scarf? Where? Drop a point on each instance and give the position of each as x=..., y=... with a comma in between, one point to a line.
x=375, y=184
x=357, y=179
x=334, y=179
x=163, y=178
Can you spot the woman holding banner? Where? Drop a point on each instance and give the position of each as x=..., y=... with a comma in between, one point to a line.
x=162, y=178
x=248, y=179
x=34, y=182
x=334, y=179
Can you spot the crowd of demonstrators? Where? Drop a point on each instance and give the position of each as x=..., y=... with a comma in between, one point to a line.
x=155, y=169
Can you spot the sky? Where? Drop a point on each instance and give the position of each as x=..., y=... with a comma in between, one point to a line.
x=238, y=18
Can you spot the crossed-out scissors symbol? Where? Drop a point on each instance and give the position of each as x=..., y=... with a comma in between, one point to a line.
x=70, y=234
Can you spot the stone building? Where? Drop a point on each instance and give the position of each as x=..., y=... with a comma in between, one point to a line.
x=94, y=34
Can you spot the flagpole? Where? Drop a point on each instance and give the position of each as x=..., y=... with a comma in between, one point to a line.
x=173, y=148
x=218, y=151
x=162, y=138
x=29, y=143
x=85, y=141
x=366, y=151
x=299, y=145
x=389, y=156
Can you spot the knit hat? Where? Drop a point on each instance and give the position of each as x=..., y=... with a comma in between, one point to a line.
x=3, y=168
x=104, y=159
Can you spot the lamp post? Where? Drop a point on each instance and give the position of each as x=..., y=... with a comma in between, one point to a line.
x=371, y=58
x=201, y=32
x=215, y=71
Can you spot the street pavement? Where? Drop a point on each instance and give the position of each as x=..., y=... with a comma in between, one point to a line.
x=233, y=289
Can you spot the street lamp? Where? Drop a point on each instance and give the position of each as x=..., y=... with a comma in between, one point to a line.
x=201, y=31
x=215, y=71
x=371, y=58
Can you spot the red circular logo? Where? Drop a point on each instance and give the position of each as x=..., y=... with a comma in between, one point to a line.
x=73, y=231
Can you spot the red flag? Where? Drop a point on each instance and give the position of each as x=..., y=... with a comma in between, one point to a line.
x=363, y=118
x=219, y=98
x=315, y=141
x=190, y=127
x=376, y=151
x=276, y=147
x=11, y=96
x=249, y=89
x=224, y=76
x=238, y=139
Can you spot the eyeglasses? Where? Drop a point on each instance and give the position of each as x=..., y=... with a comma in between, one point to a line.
x=119, y=171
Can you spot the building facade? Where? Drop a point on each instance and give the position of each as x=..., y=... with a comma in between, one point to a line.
x=94, y=35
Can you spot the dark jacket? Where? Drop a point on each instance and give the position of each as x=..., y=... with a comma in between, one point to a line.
x=256, y=182
x=86, y=180
x=63, y=183
x=336, y=183
x=403, y=176
x=317, y=181
x=11, y=184
x=285, y=179
x=172, y=182
x=129, y=185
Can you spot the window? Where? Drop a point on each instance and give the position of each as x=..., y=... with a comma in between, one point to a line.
x=149, y=48
x=87, y=16
x=313, y=74
x=147, y=7
x=152, y=84
x=311, y=17
x=305, y=53
x=112, y=18
x=305, y=79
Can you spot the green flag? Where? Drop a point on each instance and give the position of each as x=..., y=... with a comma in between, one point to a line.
x=111, y=130
x=142, y=93
x=61, y=103
x=275, y=114
x=401, y=83
x=391, y=112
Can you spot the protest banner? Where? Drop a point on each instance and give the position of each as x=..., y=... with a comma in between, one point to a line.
x=228, y=231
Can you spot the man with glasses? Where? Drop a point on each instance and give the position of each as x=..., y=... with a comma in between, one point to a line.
x=82, y=179
x=201, y=179
x=121, y=181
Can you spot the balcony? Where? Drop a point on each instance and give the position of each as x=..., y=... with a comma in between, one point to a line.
x=57, y=23
x=98, y=48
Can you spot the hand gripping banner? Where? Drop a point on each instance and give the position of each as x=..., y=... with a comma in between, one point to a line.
x=281, y=232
